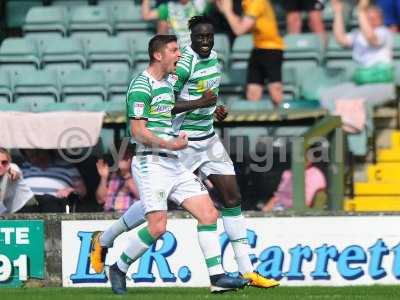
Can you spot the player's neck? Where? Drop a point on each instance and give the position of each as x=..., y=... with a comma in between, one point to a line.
x=156, y=72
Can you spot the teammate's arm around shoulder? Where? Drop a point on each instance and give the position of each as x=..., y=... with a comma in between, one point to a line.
x=208, y=99
x=143, y=135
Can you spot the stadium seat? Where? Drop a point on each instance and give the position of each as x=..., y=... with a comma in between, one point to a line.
x=70, y=5
x=302, y=50
x=222, y=47
x=36, y=86
x=117, y=84
x=58, y=106
x=241, y=51
x=5, y=88
x=141, y=42
x=47, y=20
x=128, y=18
x=290, y=85
x=396, y=49
x=318, y=79
x=19, y=54
x=339, y=57
x=62, y=54
x=87, y=21
x=21, y=106
x=109, y=54
x=17, y=10
x=233, y=82
x=84, y=87
x=242, y=105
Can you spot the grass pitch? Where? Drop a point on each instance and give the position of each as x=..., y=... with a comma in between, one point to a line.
x=353, y=293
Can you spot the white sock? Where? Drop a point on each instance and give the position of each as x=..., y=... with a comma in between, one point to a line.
x=132, y=218
x=236, y=230
x=138, y=244
x=209, y=244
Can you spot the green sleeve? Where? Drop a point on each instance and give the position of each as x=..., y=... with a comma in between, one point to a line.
x=182, y=75
x=163, y=12
x=138, y=104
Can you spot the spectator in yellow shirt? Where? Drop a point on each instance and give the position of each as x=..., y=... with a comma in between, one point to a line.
x=266, y=58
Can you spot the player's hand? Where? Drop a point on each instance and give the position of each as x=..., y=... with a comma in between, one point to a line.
x=208, y=99
x=179, y=143
x=221, y=113
x=102, y=168
x=14, y=175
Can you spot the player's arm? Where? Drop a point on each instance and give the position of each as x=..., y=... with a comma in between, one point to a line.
x=239, y=25
x=148, y=13
x=208, y=99
x=148, y=138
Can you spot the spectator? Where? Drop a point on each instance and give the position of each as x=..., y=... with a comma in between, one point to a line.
x=116, y=191
x=372, y=81
x=173, y=17
x=14, y=193
x=294, y=10
x=52, y=180
x=283, y=198
x=391, y=13
x=267, y=56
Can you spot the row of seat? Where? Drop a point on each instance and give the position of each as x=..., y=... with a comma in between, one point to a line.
x=102, y=20
x=108, y=53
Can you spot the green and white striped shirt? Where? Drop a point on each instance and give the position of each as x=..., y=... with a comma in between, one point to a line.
x=195, y=75
x=151, y=100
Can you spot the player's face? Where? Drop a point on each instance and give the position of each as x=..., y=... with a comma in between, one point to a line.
x=4, y=164
x=170, y=57
x=202, y=37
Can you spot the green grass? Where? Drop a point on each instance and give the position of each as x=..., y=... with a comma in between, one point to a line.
x=353, y=293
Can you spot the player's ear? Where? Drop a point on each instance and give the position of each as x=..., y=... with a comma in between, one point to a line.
x=157, y=55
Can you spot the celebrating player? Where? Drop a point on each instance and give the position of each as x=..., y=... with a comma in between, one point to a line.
x=158, y=172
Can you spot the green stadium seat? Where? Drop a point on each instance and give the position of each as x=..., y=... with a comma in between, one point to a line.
x=62, y=54
x=17, y=10
x=141, y=43
x=318, y=79
x=84, y=86
x=128, y=18
x=222, y=47
x=233, y=82
x=243, y=105
x=302, y=50
x=109, y=54
x=300, y=104
x=241, y=51
x=36, y=86
x=58, y=106
x=5, y=87
x=338, y=56
x=21, y=107
x=46, y=20
x=117, y=84
x=396, y=49
x=87, y=21
x=290, y=86
x=70, y=5
x=19, y=54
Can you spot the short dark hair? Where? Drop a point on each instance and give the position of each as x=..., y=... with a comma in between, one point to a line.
x=197, y=20
x=158, y=43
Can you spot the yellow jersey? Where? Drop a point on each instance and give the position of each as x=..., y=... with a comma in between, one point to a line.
x=265, y=31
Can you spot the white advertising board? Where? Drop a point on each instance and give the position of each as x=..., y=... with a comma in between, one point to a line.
x=335, y=251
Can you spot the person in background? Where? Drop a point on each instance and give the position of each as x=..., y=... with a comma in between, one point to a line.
x=116, y=191
x=267, y=56
x=391, y=13
x=51, y=179
x=294, y=10
x=371, y=82
x=283, y=197
x=173, y=17
x=14, y=193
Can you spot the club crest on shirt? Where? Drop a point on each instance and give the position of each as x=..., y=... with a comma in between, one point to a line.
x=172, y=79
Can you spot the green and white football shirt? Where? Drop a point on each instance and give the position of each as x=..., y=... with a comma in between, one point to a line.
x=151, y=100
x=195, y=75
